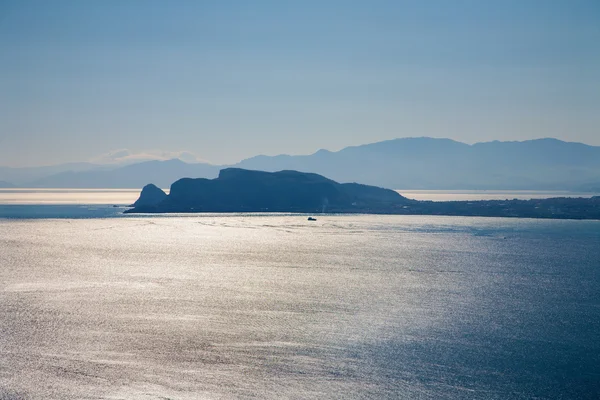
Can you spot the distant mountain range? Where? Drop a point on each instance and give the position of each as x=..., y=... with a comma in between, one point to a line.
x=4, y=185
x=25, y=177
x=131, y=176
x=409, y=163
x=426, y=163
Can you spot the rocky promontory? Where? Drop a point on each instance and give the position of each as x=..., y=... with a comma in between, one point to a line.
x=240, y=190
x=151, y=195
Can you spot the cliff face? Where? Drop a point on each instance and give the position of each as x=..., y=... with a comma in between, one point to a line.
x=150, y=196
x=239, y=190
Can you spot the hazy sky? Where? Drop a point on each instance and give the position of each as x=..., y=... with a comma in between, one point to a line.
x=230, y=79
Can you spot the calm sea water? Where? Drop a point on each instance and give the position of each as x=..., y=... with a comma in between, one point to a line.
x=273, y=306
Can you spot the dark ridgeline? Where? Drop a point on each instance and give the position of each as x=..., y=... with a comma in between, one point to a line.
x=239, y=190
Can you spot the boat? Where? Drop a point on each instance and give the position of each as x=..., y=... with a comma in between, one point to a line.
x=312, y=219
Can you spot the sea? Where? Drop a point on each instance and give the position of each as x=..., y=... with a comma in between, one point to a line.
x=95, y=304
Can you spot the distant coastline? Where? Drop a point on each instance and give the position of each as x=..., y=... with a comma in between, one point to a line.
x=127, y=196
x=239, y=190
x=477, y=195
x=551, y=208
x=53, y=202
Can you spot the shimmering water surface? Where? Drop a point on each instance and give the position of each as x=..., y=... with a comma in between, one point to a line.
x=274, y=306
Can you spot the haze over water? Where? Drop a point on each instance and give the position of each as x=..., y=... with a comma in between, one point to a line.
x=272, y=306
x=39, y=196
x=68, y=196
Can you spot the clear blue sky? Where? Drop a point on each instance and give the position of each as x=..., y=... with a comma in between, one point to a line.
x=231, y=79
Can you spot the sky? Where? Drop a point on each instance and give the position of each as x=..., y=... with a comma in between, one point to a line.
x=225, y=80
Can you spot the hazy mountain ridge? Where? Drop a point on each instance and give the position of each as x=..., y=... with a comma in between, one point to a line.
x=130, y=176
x=408, y=163
x=6, y=185
x=25, y=176
x=427, y=163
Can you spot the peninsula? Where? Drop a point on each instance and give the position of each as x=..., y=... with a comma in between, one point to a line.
x=240, y=190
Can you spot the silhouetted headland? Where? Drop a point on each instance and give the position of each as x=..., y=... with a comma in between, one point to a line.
x=151, y=195
x=240, y=190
